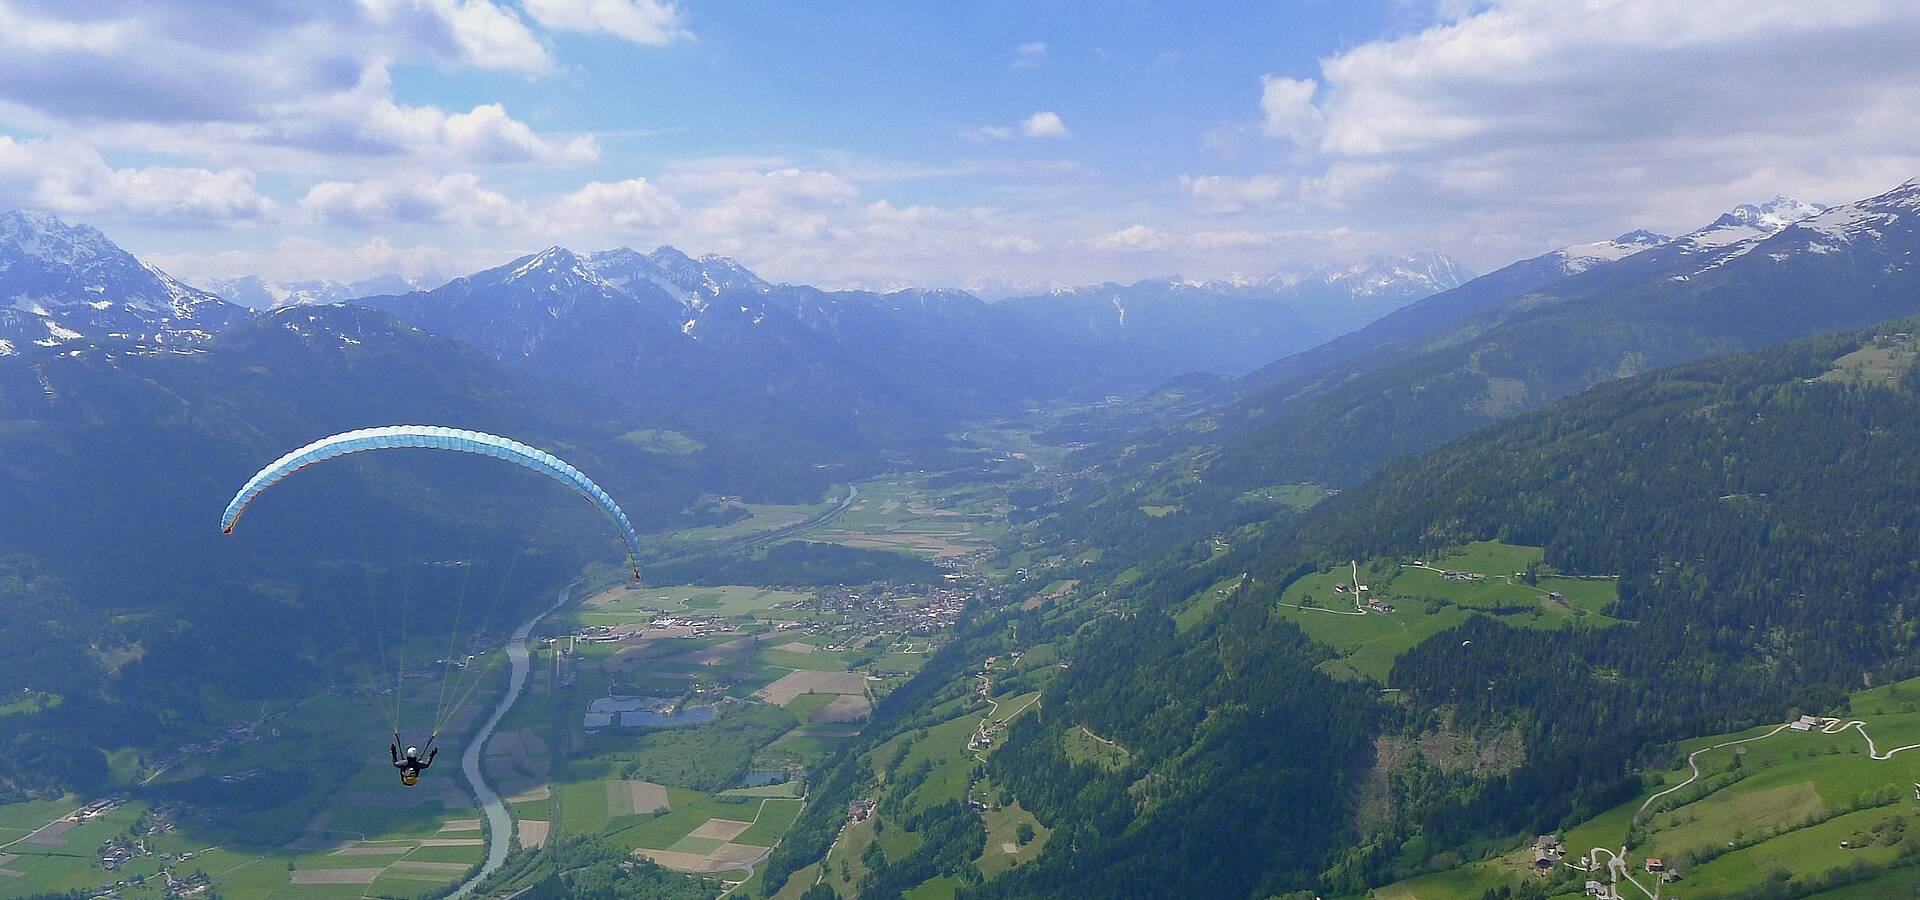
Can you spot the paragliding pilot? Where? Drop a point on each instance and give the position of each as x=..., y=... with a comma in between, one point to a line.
x=411, y=766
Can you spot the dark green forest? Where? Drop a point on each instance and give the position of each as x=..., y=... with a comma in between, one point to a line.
x=1761, y=575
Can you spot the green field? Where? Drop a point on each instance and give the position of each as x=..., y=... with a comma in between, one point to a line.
x=1297, y=496
x=1003, y=824
x=761, y=518
x=623, y=606
x=899, y=515
x=1200, y=607
x=1771, y=800
x=1083, y=748
x=1427, y=602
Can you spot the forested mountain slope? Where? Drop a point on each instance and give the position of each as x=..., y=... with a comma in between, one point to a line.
x=1372, y=346
x=1750, y=280
x=1758, y=509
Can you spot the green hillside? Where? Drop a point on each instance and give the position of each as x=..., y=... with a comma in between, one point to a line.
x=1574, y=593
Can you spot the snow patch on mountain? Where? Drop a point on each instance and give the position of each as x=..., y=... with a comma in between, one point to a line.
x=1752, y=221
x=62, y=282
x=1581, y=257
x=255, y=292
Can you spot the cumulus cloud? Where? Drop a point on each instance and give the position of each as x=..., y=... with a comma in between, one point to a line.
x=460, y=199
x=639, y=21
x=74, y=179
x=484, y=34
x=1011, y=243
x=269, y=85
x=1531, y=122
x=1287, y=110
x=299, y=258
x=1044, y=124
x=1030, y=55
x=1132, y=239
x=456, y=199
x=483, y=134
x=1226, y=194
x=625, y=205
x=785, y=203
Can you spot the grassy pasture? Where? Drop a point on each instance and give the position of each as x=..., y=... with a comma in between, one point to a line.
x=1782, y=796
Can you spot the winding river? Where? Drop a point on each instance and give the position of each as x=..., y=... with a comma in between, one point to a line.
x=499, y=824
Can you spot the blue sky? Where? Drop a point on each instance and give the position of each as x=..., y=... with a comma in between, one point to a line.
x=997, y=146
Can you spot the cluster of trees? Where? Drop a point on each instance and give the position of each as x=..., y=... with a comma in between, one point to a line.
x=952, y=837
x=708, y=758
x=585, y=867
x=1241, y=765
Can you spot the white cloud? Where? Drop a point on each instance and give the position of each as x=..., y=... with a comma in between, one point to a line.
x=1339, y=240
x=1011, y=243
x=22, y=32
x=639, y=21
x=1030, y=55
x=1132, y=239
x=987, y=133
x=269, y=85
x=73, y=179
x=459, y=199
x=1516, y=125
x=456, y=199
x=1240, y=239
x=1044, y=124
x=1226, y=194
x=487, y=36
x=1287, y=110
x=298, y=259
x=789, y=203
x=367, y=121
x=633, y=203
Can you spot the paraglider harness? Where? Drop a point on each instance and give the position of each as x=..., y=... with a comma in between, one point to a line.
x=411, y=766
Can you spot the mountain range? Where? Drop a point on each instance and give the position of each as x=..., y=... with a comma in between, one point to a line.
x=61, y=283
x=1747, y=516
x=257, y=293
x=1510, y=341
x=1171, y=326
x=840, y=378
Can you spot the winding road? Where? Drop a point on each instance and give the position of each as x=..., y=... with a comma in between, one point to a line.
x=1828, y=726
x=499, y=824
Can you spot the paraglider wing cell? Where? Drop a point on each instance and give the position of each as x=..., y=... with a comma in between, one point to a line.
x=434, y=437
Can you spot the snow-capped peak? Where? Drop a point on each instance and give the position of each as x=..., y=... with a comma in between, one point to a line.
x=1581, y=257
x=62, y=282
x=1864, y=218
x=710, y=274
x=554, y=260
x=1752, y=220
x=258, y=293
x=1425, y=271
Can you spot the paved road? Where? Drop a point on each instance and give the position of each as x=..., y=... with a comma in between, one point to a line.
x=499, y=824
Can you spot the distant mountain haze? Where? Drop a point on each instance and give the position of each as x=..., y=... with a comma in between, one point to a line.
x=1171, y=326
x=257, y=293
x=1513, y=340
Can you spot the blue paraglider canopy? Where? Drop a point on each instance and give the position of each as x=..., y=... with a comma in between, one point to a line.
x=434, y=437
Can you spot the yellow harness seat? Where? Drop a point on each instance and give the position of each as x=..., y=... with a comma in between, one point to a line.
x=409, y=778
